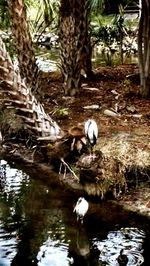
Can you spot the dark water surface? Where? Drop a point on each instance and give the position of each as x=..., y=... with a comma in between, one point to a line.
x=38, y=227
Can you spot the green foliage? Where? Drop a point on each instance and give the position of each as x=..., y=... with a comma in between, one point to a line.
x=44, y=15
x=61, y=112
x=9, y=46
x=75, y=169
x=97, y=6
x=109, y=32
x=41, y=14
x=127, y=86
x=114, y=36
x=4, y=17
x=30, y=3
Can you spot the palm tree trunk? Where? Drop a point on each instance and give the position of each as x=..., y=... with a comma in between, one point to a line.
x=70, y=50
x=86, y=53
x=74, y=43
x=17, y=96
x=23, y=43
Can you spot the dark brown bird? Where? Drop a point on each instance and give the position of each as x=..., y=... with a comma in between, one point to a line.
x=78, y=139
x=122, y=259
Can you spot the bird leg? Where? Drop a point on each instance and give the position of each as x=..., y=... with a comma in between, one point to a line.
x=60, y=168
x=92, y=154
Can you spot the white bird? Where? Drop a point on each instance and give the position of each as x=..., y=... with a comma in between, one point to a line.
x=91, y=131
x=81, y=208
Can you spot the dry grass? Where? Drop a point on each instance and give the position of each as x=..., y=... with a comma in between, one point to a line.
x=123, y=157
x=129, y=150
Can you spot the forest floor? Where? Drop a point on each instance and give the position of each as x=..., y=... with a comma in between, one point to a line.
x=124, y=134
x=109, y=88
x=98, y=99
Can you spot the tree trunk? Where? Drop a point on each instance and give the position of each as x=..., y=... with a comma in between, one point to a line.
x=74, y=43
x=144, y=48
x=15, y=95
x=86, y=53
x=23, y=43
x=140, y=49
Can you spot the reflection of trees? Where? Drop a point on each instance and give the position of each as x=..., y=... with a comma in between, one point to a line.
x=81, y=249
x=46, y=213
x=40, y=221
x=27, y=211
x=11, y=197
x=37, y=213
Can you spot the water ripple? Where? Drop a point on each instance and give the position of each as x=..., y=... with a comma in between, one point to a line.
x=8, y=246
x=11, y=179
x=52, y=252
x=128, y=239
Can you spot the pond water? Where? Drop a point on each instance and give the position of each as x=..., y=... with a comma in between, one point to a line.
x=49, y=60
x=38, y=227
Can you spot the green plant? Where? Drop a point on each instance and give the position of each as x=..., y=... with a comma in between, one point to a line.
x=109, y=32
x=43, y=16
x=61, y=112
x=106, y=34
x=127, y=86
x=4, y=17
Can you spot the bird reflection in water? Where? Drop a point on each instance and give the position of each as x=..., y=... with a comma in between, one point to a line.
x=83, y=253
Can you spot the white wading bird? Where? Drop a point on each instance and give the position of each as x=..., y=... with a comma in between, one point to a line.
x=91, y=132
x=81, y=208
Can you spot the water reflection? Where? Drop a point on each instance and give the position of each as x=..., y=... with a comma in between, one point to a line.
x=48, y=61
x=8, y=245
x=38, y=227
x=52, y=253
x=128, y=239
x=10, y=201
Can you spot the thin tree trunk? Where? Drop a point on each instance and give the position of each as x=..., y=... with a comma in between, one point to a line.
x=86, y=53
x=140, y=50
x=17, y=96
x=144, y=48
x=23, y=43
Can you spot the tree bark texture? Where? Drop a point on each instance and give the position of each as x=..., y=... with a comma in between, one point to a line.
x=15, y=95
x=74, y=43
x=144, y=48
x=23, y=43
